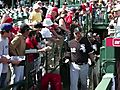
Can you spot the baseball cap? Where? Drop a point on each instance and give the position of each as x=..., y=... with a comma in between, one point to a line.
x=47, y=22
x=36, y=6
x=55, y=9
x=24, y=27
x=9, y=20
x=39, y=2
x=45, y=32
x=38, y=25
x=65, y=3
x=6, y=27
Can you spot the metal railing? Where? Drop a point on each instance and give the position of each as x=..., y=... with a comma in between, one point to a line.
x=107, y=82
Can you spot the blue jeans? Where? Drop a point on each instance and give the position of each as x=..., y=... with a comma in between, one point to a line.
x=78, y=72
x=2, y=80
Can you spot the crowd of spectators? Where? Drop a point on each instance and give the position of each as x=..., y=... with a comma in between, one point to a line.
x=33, y=25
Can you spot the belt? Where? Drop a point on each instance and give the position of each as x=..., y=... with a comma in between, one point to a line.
x=80, y=63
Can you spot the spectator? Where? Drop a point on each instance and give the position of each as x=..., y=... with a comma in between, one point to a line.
x=52, y=13
x=4, y=52
x=17, y=48
x=49, y=32
x=36, y=14
x=43, y=8
x=93, y=73
x=37, y=28
x=64, y=8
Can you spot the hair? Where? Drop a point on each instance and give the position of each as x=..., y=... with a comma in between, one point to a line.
x=32, y=33
x=23, y=31
x=2, y=32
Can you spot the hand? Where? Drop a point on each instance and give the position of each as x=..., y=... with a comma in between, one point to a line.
x=16, y=62
x=4, y=60
x=93, y=63
x=48, y=48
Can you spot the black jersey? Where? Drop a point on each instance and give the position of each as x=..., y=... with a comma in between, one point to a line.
x=80, y=50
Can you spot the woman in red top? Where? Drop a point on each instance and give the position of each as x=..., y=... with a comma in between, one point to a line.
x=31, y=43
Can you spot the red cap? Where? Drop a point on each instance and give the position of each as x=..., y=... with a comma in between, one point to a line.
x=55, y=9
x=9, y=20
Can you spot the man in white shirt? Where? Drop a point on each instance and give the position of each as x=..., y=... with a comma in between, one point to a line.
x=4, y=52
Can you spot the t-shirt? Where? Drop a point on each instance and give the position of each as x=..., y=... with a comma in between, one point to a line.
x=80, y=50
x=35, y=17
x=31, y=44
x=4, y=51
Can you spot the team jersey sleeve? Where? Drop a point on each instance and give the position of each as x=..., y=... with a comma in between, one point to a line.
x=88, y=45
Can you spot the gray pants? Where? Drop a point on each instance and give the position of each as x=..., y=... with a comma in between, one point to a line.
x=78, y=72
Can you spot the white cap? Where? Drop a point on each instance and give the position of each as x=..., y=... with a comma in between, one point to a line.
x=45, y=32
x=36, y=6
x=47, y=22
x=39, y=2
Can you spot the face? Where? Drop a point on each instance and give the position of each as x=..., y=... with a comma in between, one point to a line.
x=91, y=39
x=77, y=35
x=33, y=36
x=26, y=33
x=6, y=34
x=38, y=30
x=54, y=14
x=37, y=10
x=40, y=4
x=64, y=6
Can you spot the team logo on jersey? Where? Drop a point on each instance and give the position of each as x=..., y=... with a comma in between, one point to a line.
x=82, y=47
x=73, y=50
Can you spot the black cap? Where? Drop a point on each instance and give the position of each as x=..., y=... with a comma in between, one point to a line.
x=38, y=25
x=65, y=3
x=24, y=27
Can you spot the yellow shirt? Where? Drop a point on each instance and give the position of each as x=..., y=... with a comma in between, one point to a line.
x=35, y=17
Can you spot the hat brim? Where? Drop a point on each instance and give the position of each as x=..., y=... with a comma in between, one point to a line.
x=65, y=4
x=29, y=29
x=47, y=25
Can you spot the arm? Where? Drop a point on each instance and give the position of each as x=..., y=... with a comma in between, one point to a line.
x=90, y=50
x=92, y=57
x=4, y=60
x=62, y=25
x=13, y=45
x=30, y=17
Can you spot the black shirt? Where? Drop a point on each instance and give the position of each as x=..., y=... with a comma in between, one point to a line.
x=80, y=50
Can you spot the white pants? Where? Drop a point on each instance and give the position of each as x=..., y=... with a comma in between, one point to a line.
x=78, y=72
